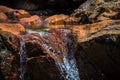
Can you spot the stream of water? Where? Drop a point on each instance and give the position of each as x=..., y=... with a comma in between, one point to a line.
x=68, y=67
x=22, y=60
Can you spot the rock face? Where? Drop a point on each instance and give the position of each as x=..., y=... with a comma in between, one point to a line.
x=99, y=43
x=97, y=10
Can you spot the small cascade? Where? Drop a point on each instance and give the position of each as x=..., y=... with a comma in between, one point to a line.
x=68, y=67
x=22, y=60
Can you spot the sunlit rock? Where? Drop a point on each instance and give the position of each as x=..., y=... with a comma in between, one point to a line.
x=97, y=10
x=14, y=13
x=13, y=28
x=71, y=20
x=57, y=19
x=106, y=27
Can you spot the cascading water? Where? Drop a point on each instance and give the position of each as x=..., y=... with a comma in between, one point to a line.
x=67, y=67
x=22, y=60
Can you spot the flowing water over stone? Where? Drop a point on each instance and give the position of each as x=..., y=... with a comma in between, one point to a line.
x=22, y=60
x=67, y=67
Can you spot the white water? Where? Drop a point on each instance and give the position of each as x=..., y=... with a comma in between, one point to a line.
x=68, y=67
x=22, y=60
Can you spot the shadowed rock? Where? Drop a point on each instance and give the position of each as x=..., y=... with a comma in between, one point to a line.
x=99, y=44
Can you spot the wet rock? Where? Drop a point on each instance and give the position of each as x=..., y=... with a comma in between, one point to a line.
x=33, y=22
x=98, y=45
x=13, y=28
x=97, y=10
x=44, y=68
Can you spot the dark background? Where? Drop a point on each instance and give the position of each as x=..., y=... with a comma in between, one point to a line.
x=58, y=6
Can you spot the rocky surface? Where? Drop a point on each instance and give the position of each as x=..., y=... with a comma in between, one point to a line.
x=99, y=44
x=33, y=22
x=61, y=19
x=95, y=44
x=97, y=10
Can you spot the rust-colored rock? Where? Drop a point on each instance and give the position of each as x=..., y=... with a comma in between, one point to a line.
x=84, y=31
x=21, y=13
x=13, y=28
x=57, y=19
x=32, y=22
x=14, y=12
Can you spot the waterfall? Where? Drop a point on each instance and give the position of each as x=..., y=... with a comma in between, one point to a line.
x=68, y=67
x=22, y=60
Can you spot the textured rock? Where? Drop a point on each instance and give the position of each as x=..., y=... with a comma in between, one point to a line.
x=13, y=28
x=32, y=22
x=98, y=44
x=96, y=29
x=97, y=10
x=57, y=19
x=9, y=40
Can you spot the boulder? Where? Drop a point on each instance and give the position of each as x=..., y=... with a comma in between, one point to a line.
x=14, y=13
x=99, y=44
x=13, y=28
x=32, y=22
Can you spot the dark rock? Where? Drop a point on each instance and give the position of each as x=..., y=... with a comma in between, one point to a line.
x=99, y=45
